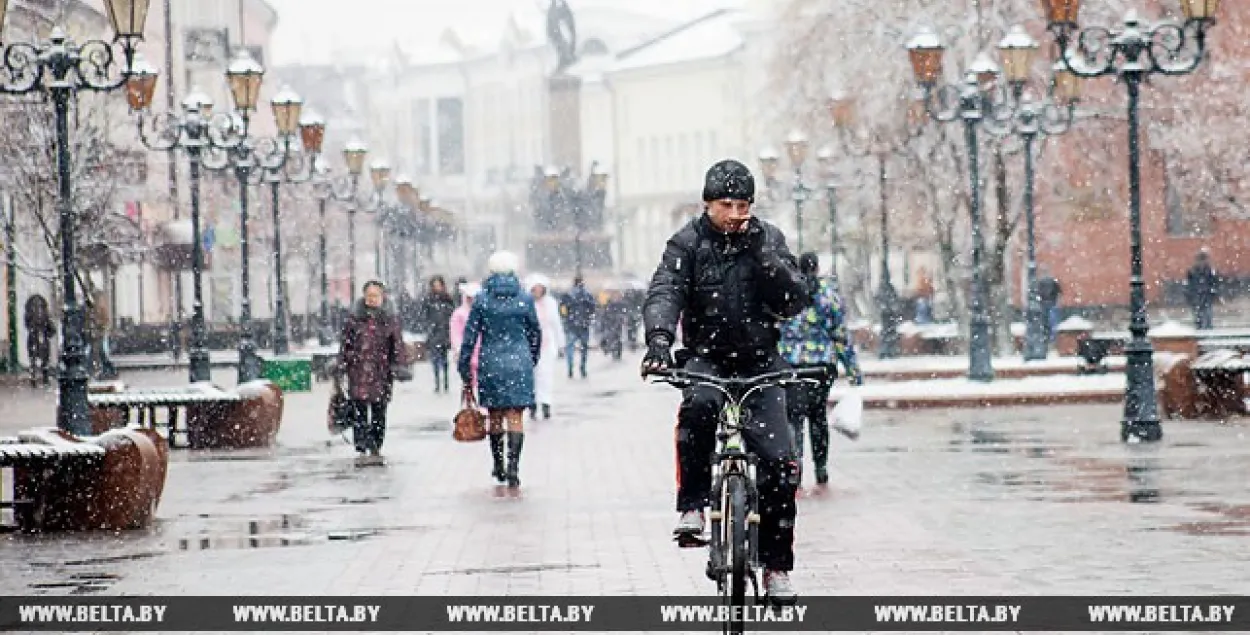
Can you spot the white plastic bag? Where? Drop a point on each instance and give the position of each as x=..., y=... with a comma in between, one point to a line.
x=848, y=415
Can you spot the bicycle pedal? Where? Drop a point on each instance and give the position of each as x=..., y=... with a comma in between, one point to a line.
x=690, y=541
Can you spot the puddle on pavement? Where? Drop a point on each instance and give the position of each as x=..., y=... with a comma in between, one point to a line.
x=520, y=568
x=286, y=530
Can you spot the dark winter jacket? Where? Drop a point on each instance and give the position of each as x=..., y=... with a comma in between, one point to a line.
x=504, y=318
x=728, y=295
x=578, y=309
x=1203, y=284
x=436, y=310
x=372, y=342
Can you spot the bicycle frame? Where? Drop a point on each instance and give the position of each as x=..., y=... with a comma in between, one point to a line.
x=731, y=460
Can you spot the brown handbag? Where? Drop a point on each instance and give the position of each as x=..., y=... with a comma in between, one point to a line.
x=470, y=422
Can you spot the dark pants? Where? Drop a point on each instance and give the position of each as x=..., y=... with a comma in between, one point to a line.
x=1204, y=315
x=438, y=359
x=810, y=402
x=577, y=337
x=368, y=424
x=767, y=435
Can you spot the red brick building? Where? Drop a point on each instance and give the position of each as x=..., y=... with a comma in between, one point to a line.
x=1082, y=202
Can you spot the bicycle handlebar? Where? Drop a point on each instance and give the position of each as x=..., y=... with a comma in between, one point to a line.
x=683, y=378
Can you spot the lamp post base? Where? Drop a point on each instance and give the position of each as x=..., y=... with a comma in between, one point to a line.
x=249, y=363
x=1147, y=431
x=199, y=365
x=1036, y=348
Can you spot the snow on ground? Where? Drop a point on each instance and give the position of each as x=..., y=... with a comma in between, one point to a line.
x=961, y=388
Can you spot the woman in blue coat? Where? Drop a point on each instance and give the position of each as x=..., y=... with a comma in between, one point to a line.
x=504, y=319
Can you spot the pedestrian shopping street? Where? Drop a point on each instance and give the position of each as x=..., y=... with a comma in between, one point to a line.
x=994, y=501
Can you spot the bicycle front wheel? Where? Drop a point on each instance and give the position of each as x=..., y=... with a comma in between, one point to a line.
x=735, y=545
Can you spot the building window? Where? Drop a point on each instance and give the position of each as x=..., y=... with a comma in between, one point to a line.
x=451, y=136
x=425, y=141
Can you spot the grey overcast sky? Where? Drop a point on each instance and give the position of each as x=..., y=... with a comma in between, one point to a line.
x=313, y=31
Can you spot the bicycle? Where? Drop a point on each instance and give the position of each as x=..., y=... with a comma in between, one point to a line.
x=733, y=545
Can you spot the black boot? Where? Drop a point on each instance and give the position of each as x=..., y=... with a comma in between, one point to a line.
x=515, y=441
x=496, y=454
x=546, y=411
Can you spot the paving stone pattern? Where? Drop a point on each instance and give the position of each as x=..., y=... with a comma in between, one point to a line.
x=1029, y=501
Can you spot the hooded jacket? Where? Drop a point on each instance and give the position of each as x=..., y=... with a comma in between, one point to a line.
x=504, y=319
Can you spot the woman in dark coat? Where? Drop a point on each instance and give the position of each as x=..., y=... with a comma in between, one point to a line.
x=504, y=318
x=372, y=346
x=436, y=309
x=39, y=333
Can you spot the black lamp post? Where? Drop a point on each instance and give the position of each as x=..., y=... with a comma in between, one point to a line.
x=204, y=137
x=61, y=69
x=969, y=103
x=326, y=189
x=1132, y=53
x=380, y=174
x=312, y=131
x=826, y=158
x=1027, y=119
x=249, y=159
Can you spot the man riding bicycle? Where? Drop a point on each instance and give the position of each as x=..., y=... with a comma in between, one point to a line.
x=730, y=279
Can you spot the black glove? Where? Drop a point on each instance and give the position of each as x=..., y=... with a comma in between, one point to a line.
x=658, y=356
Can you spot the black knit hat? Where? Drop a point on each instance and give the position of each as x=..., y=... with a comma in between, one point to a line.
x=729, y=179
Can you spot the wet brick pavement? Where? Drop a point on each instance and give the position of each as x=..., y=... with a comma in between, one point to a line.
x=1030, y=501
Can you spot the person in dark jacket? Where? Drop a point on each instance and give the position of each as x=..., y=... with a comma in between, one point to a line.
x=730, y=278
x=578, y=308
x=372, y=346
x=505, y=321
x=1202, y=287
x=435, y=319
x=1048, y=293
x=612, y=322
x=40, y=330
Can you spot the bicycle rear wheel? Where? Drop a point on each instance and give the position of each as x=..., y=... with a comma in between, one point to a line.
x=733, y=587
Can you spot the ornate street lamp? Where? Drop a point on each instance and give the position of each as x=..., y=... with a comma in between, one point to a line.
x=249, y=159
x=205, y=138
x=287, y=111
x=969, y=103
x=325, y=189
x=796, y=150
x=826, y=159
x=61, y=69
x=1132, y=53
x=380, y=175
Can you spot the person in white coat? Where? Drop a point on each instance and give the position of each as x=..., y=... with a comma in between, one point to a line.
x=553, y=342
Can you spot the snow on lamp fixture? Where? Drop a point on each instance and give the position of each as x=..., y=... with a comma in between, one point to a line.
x=198, y=101
x=796, y=148
x=768, y=163
x=985, y=69
x=286, y=106
x=925, y=50
x=312, y=131
x=141, y=84
x=1017, y=50
x=245, y=76
x=380, y=172
x=354, y=156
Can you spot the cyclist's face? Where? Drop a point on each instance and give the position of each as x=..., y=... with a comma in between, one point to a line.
x=729, y=215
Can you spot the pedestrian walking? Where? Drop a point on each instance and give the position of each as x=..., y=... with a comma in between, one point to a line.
x=817, y=337
x=503, y=318
x=549, y=320
x=924, y=298
x=612, y=321
x=578, y=309
x=371, y=351
x=460, y=319
x=40, y=329
x=1048, y=293
x=435, y=314
x=1202, y=287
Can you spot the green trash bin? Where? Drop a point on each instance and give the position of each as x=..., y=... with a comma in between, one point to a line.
x=291, y=374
